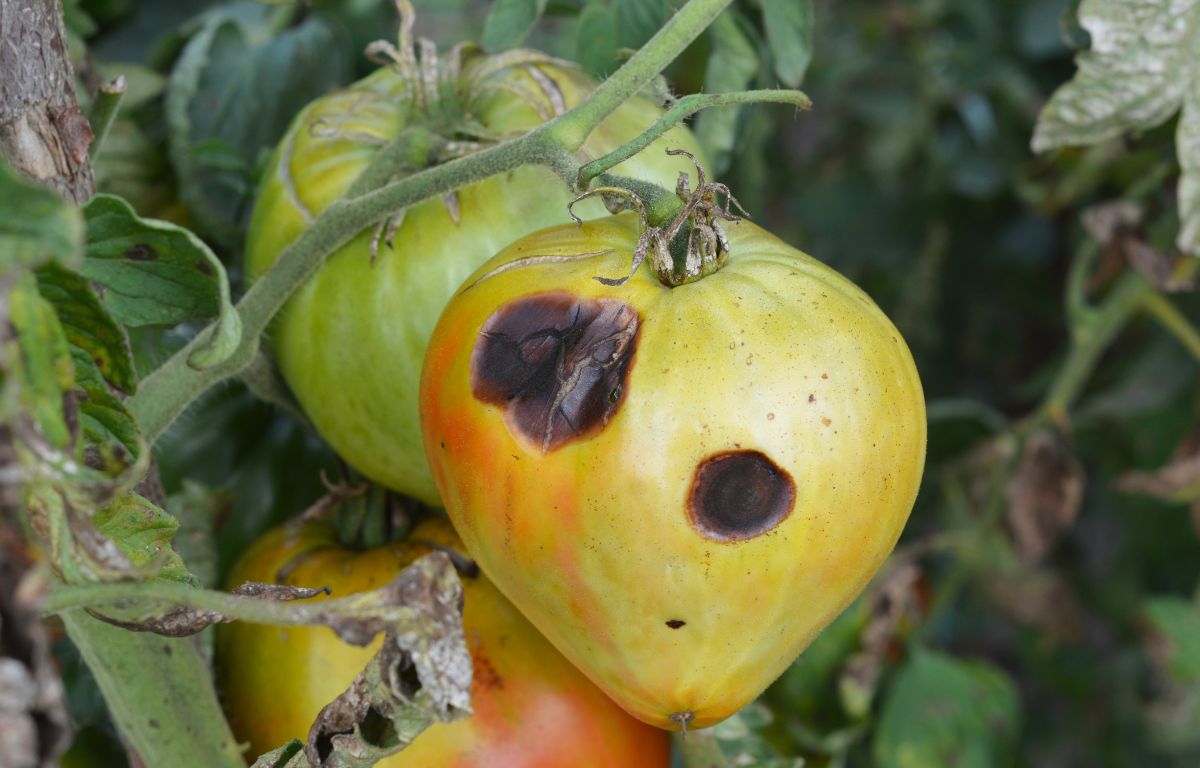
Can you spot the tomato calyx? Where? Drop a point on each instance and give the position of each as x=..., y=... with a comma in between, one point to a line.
x=686, y=242
x=444, y=91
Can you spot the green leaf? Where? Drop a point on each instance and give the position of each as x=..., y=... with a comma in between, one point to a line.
x=43, y=366
x=638, y=20
x=237, y=85
x=37, y=226
x=1141, y=69
x=88, y=326
x=157, y=273
x=199, y=508
x=731, y=67
x=1178, y=622
x=789, y=25
x=509, y=21
x=944, y=711
x=143, y=532
x=596, y=38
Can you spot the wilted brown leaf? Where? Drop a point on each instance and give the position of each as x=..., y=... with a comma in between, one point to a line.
x=1044, y=495
x=894, y=603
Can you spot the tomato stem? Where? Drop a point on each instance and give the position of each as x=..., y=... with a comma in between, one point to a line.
x=166, y=392
x=679, y=111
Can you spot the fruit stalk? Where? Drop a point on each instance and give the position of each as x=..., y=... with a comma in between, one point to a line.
x=166, y=393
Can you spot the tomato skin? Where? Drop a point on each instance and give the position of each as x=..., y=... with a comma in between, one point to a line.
x=531, y=707
x=350, y=342
x=776, y=362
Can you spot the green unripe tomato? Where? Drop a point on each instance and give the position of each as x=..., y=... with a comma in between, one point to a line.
x=350, y=342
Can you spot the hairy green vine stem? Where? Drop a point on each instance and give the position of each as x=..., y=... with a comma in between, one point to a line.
x=682, y=109
x=65, y=598
x=166, y=392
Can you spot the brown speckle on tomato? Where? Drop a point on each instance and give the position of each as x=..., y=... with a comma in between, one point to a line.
x=557, y=363
x=737, y=495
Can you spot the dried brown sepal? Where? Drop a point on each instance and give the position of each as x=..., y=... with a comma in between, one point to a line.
x=699, y=218
x=1044, y=495
x=34, y=724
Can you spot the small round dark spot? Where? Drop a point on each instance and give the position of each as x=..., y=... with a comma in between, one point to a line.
x=140, y=252
x=738, y=495
x=557, y=363
x=203, y=267
x=153, y=723
x=676, y=623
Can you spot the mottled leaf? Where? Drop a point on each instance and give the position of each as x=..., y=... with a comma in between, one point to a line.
x=1141, y=69
x=157, y=273
x=509, y=21
x=143, y=532
x=945, y=711
x=88, y=326
x=37, y=226
x=43, y=368
x=788, y=25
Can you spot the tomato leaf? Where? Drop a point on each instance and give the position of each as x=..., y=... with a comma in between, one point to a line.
x=43, y=371
x=944, y=711
x=232, y=92
x=143, y=532
x=509, y=21
x=638, y=20
x=158, y=273
x=731, y=67
x=788, y=25
x=88, y=326
x=1177, y=623
x=1141, y=69
x=596, y=38
x=199, y=509
x=37, y=225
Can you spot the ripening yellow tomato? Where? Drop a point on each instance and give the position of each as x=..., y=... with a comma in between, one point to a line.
x=532, y=708
x=679, y=486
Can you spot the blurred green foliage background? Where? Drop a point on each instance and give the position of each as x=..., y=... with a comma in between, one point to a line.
x=1040, y=611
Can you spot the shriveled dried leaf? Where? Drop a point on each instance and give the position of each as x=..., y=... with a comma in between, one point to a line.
x=1177, y=481
x=894, y=604
x=1038, y=598
x=1044, y=495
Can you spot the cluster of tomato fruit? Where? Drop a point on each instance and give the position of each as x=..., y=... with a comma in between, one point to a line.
x=678, y=487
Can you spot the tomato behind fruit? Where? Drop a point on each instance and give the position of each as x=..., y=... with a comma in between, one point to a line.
x=680, y=487
x=350, y=342
x=531, y=707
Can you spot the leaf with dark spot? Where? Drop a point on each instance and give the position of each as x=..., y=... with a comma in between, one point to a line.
x=88, y=326
x=150, y=275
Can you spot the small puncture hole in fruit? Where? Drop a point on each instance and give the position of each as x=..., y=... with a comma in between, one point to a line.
x=557, y=363
x=738, y=495
x=676, y=623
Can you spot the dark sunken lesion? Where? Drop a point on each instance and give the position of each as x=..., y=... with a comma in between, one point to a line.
x=557, y=363
x=738, y=495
